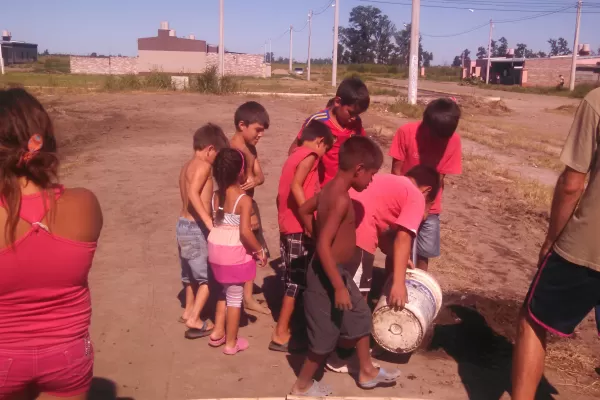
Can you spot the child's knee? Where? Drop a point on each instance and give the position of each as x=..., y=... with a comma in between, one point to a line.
x=234, y=294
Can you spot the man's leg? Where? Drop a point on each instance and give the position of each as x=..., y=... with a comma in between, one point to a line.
x=422, y=263
x=528, y=358
x=368, y=371
x=250, y=303
x=189, y=301
x=428, y=241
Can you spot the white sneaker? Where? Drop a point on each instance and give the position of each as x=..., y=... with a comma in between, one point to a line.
x=345, y=366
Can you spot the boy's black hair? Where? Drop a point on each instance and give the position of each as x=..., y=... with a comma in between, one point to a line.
x=251, y=112
x=426, y=176
x=330, y=102
x=353, y=91
x=210, y=135
x=314, y=130
x=441, y=116
x=360, y=150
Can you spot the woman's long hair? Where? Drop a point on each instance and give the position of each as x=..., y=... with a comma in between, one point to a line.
x=22, y=117
x=227, y=168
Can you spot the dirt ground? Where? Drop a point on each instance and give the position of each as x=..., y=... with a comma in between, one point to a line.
x=128, y=149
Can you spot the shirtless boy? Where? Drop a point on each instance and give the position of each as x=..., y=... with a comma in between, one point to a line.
x=251, y=120
x=195, y=221
x=336, y=313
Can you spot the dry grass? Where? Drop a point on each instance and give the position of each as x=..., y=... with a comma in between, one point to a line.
x=565, y=109
x=478, y=105
x=527, y=197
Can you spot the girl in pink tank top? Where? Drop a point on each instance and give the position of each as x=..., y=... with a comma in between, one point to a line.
x=232, y=248
x=44, y=295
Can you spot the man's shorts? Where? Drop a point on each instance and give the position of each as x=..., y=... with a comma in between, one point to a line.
x=327, y=324
x=296, y=250
x=428, y=237
x=562, y=294
x=193, y=251
x=360, y=268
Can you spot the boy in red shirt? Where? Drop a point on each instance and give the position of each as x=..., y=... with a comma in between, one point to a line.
x=434, y=143
x=341, y=116
x=299, y=182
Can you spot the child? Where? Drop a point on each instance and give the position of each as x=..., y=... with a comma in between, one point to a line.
x=298, y=183
x=335, y=310
x=433, y=143
x=195, y=221
x=232, y=248
x=342, y=117
x=251, y=120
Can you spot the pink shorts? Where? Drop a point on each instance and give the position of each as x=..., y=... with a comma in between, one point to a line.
x=62, y=371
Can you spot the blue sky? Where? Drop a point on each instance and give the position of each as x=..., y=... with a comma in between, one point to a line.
x=112, y=27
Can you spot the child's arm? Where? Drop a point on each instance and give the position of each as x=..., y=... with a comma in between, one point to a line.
x=397, y=167
x=327, y=233
x=300, y=175
x=254, y=173
x=246, y=235
x=306, y=212
x=197, y=183
x=402, y=248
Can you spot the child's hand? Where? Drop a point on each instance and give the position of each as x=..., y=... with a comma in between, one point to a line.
x=261, y=257
x=250, y=183
x=342, y=299
x=398, y=296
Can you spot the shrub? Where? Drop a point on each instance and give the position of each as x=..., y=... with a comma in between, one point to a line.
x=210, y=82
x=158, y=80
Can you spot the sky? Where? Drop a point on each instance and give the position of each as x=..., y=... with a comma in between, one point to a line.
x=112, y=26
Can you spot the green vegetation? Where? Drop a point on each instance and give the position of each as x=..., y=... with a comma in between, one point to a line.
x=31, y=79
x=580, y=91
x=211, y=83
x=45, y=64
x=413, y=111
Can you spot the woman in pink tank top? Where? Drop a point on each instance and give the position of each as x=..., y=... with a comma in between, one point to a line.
x=48, y=236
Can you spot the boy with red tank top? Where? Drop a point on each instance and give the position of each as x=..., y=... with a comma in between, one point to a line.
x=298, y=183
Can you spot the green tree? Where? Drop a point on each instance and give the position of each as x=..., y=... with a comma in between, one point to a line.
x=559, y=47
x=481, y=52
x=501, y=49
x=427, y=58
x=402, y=55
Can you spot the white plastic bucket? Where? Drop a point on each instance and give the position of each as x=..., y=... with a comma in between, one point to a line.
x=403, y=331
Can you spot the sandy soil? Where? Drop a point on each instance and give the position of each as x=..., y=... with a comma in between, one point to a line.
x=128, y=148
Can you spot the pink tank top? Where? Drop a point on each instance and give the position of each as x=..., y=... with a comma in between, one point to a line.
x=44, y=293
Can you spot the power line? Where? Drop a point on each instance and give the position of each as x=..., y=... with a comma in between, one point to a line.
x=327, y=7
x=282, y=35
x=303, y=28
x=505, y=21
x=462, y=8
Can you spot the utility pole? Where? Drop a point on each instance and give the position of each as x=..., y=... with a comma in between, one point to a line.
x=575, y=48
x=336, y=27
x=413, y=66
x=487, y=67
x=462, y=65
x=310, y=14
x=221, y=40
x=291, y=45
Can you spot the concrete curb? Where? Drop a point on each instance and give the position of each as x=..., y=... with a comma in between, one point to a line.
x=287, y=94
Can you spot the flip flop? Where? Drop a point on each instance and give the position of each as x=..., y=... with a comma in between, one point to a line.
x=217, y=342
x=182, y=320
x=317, y=389
x=383, y=377
x=195, y=333
x=240, y=345
x=284, y=348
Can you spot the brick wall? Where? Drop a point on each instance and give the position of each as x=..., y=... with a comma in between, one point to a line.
x=103, y=65
x=240, y=64
x=545, y=71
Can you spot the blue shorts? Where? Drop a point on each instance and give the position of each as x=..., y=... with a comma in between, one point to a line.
x=428, y=237
x=193, y=251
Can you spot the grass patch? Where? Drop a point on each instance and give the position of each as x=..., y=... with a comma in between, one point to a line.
x=579, y=92
x=401, y=106
x=473, y=104
x=31, y=79
x=383, y=92
x=211, y=83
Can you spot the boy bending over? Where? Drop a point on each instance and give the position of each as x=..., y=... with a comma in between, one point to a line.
x=195, y=221
x=336, y=313
x=251, y=120
x=298, y=182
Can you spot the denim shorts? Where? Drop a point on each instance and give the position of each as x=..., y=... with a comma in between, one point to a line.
x=193, y=251
x=428, y=237
x=62, y=371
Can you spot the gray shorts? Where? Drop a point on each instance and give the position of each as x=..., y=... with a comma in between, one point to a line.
x=193, y=251
x=428, y=238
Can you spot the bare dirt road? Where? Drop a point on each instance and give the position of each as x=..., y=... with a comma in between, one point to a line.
x=128, y=148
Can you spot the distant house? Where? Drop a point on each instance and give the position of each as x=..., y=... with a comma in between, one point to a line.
x=168, y=53
x=14, y=52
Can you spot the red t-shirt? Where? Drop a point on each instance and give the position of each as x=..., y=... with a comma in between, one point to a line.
x=287, y=208
x=414, y=144
x=388, y=200
x=330, y=161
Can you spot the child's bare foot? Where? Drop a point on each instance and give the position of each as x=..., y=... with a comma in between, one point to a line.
x=253, y=305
